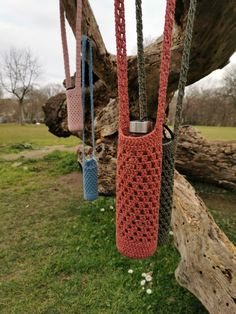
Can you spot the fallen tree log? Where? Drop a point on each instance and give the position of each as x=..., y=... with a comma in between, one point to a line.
x=196, y=157
x=208, y=259
x=206, y=161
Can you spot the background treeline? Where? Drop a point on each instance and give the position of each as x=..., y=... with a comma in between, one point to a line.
x=213, y=106
x=9, y=109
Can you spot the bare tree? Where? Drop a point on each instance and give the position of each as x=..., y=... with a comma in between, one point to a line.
x=33, y=105
x=230, y=81
x=19, y=71
x=52, y=89
x=1, y=93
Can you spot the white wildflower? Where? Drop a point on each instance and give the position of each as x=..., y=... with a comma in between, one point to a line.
x=142, y=282
x=102, y=209
x=144, y=274
x=171, y=233
x=111, y=207
x=149, y=291
x=148, y=278
x=130, y=271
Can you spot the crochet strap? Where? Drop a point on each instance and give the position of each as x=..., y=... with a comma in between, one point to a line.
x=122, y=63
x=184, y=68
x=141, y=62
x=65, y=45
x=165, y=61
x=86, y=40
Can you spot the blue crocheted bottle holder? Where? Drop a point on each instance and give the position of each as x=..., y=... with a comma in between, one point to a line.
x=90, y=173
x=90, y=179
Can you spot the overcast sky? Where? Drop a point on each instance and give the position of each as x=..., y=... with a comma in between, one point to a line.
x=35, y=25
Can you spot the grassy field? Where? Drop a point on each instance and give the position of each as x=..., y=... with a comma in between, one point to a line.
x=214, y=133
x=57, y=252
x=12, y=136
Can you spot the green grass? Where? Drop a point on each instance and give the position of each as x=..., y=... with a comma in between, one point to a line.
x=215, y=133
x=14, y=137
x=58, y=254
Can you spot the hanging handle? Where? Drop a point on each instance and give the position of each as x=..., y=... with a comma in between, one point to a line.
x=122, y=64
x=165, y=62
x=65, y=45
x=85, y=41
x=184, y=69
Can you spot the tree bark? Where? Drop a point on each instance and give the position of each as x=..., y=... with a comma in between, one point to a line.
x=206, y=161
x=21, y=111
x=198, y=158
x=208, y=259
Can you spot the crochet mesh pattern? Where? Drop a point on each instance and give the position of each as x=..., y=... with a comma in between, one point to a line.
x=138, y=190
x=139, y=159
x=169, y=148
x=73, y=95
x=90, y=179
x=74, y=110
x=166, y=200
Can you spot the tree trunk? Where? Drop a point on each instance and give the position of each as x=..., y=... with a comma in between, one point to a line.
x=21, y=111
x=208, y=259
x=213, y=44
x=206, y=161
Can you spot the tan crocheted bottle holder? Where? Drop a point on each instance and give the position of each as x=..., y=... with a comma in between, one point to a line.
x=74, y=110
x=73, y=95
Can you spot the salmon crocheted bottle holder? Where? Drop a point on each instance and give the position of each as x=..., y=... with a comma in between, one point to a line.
x=73, y=94
x=139, y=160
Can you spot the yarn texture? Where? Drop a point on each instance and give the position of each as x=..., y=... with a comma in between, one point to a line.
x=90, y=173
x=167, y=180
x=139, y=160
x=73, y=94
x=169, y=149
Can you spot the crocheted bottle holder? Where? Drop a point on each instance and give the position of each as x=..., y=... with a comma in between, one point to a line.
x=73, y=94
x=139, y=159
x=170, y=146
x=90, y=179
x=167, y=179
x=137, y=194
x=90, y=174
